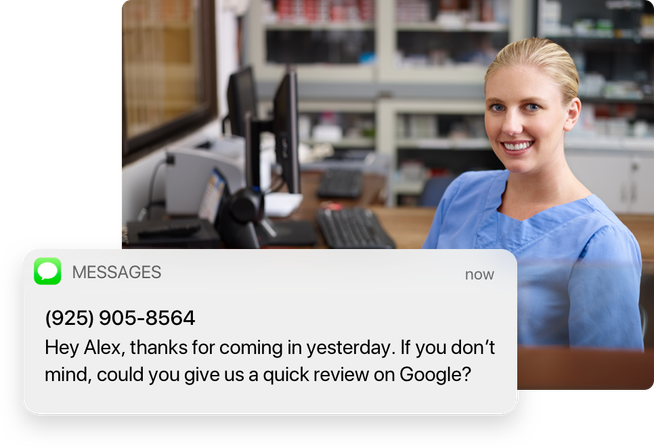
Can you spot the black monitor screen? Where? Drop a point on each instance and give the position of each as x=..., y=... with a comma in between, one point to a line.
x=284, y=125
x=241, y=99
x=285, y=128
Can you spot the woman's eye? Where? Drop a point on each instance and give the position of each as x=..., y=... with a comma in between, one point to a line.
x=496, y=108
x=533, y=107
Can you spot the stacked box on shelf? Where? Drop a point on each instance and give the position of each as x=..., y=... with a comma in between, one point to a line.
x=290, y=10
x=424, y=126
x=367, y=10
x=410, y=11
x=647, y=26
x=350, y=10
x=317, y=10
x=417, y=126
x=311, y=11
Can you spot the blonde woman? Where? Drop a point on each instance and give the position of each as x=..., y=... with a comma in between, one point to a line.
x=578, y=266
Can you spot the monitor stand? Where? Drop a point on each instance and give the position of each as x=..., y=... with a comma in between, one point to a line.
x=286, y=233
x=269, y=234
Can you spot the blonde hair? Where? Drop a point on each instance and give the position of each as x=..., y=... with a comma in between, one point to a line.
x=544, y=54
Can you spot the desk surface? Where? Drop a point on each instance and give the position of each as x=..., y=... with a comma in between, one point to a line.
x=563, y=368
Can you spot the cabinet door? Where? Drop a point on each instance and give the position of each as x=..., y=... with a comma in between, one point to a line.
x=607, y=176
x=642, y=186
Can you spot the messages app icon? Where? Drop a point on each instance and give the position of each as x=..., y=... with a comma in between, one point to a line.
x=47, y=271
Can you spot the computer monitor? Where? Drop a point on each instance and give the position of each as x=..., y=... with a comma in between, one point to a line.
x=285, y=128
x=284, y=125
x=242, y=223
x=241, y=100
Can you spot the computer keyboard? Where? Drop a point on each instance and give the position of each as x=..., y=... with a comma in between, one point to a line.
x=340, y=183
x=353, y=228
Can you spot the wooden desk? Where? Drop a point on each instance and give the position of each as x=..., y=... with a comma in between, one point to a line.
x=408, y=226
x=373, y=193
x=563, y=368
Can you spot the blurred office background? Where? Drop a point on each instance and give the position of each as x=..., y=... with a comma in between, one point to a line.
x=404, y=79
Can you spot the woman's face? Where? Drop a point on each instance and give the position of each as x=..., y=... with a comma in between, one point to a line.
x=525, y=119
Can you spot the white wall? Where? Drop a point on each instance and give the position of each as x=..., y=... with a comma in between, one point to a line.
x=136, y=176
x=136, y=184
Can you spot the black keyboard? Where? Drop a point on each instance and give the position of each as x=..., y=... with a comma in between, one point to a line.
x=353, y=228
x=340, y=183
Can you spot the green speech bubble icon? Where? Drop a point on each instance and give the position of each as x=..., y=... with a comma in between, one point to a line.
x=47, y=271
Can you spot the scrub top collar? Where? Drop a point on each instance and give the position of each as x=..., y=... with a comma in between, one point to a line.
x=498, y=230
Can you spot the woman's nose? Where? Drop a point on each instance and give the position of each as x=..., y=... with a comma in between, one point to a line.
x=512, y=124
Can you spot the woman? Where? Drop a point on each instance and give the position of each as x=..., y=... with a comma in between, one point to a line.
x=578, y=265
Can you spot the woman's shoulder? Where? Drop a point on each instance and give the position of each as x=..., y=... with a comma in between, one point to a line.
x=600, y=213
x=604, y=227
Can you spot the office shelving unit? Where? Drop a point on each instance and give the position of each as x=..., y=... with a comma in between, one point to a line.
x=355, y=118
x=322, y=50
x=382, y=83
x=612, y=43
x=375, y=40
x=444, y=151
x=454, y=51
x=401, y=65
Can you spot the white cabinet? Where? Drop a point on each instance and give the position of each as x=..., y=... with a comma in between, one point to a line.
x=624, y=181
x=642, y=186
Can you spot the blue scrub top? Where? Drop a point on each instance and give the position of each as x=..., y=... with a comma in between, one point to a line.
x=578, y=266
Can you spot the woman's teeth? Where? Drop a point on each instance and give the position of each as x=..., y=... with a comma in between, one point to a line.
x=517, y=147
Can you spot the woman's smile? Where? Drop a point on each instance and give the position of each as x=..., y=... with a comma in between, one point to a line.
x=517, y=146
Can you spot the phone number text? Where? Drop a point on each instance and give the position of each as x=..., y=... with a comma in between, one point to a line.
x=86, y=318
